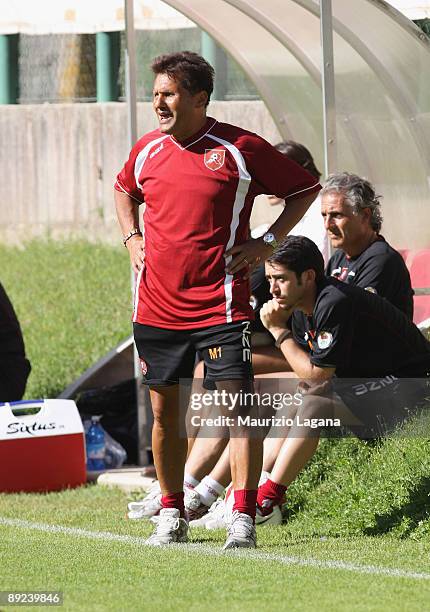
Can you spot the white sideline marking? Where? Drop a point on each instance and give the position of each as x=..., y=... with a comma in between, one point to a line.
x=218, y=552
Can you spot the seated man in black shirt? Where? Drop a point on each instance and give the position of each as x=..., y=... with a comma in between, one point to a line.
x=352, y=218
x=338, y=333
x=14, y=367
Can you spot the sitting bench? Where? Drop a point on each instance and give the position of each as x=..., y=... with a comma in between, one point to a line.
x=418, y=264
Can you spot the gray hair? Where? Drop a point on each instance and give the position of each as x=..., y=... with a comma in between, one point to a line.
x=359, y=194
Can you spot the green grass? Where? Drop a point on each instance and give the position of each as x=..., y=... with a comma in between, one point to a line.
x=73, y=301
x=98, y=575
x=357, y=488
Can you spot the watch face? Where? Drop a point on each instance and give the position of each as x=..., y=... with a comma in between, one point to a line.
x=269, y=238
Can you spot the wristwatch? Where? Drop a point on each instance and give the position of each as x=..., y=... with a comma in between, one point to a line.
x=269, y=240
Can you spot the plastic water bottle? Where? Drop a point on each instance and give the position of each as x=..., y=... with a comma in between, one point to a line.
x=96, y=446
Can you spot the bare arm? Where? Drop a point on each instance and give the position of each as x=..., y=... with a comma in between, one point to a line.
x=254, y=250
x=274, y=318
x=127, y=211
x=291, y=215
x=300, y=362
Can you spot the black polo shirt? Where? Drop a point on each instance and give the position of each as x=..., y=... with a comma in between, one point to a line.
x=360, y=334
x=380, y=269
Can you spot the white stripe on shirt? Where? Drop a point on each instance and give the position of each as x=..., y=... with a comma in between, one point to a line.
x=239, y=202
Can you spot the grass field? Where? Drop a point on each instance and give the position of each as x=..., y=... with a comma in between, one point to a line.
x=356, y=505
x=73, y=301
x=97, y=570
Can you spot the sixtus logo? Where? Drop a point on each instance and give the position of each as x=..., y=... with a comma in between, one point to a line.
x=30, y=428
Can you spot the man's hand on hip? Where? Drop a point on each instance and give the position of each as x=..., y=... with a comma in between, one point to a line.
x=136, y=250
x=247, y=255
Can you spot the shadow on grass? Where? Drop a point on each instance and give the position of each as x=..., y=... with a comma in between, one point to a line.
x=416, y=510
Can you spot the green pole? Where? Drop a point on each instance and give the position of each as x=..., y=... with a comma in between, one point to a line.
x=108, y=58
x=218, y=59
x=9, y=69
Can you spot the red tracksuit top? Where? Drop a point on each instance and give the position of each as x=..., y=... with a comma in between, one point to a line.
x=198, y=197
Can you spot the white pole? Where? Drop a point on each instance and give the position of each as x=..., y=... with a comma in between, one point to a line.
x=130, y=72
x=328, y=88
x=144, y=413
x=328, y=92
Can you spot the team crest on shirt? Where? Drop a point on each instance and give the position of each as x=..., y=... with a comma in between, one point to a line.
x=343, y=274
x=324, y=340
x=214, y=158
x=143, y=366
x=370, y=289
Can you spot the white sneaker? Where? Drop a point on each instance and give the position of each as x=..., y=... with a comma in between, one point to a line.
x=241, y=532
x=148, y=506
x=229, y=497
x=194, y=506
x=274, y=518
x=169, y=528
x=214, y=519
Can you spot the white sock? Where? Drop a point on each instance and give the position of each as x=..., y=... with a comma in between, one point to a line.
x=190, y=482
x=209, y=490
x=264, y=476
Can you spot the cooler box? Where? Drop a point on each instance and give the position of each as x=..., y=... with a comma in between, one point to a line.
x=42, y=446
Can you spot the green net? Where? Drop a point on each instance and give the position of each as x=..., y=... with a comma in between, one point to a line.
x=150, y=43
x=57, y=68
x=63, y=67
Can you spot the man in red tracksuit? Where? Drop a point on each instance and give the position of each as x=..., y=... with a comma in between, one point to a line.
x=198, y=179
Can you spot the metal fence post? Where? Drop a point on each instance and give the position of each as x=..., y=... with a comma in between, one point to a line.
x=108, y=60
x=9, y=68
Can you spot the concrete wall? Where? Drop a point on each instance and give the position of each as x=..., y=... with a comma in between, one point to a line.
x=58, y=163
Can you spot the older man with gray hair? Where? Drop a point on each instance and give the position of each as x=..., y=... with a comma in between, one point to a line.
x=352, y=216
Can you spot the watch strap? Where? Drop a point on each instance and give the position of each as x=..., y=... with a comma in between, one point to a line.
x=134, y=232
x=285, y=334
